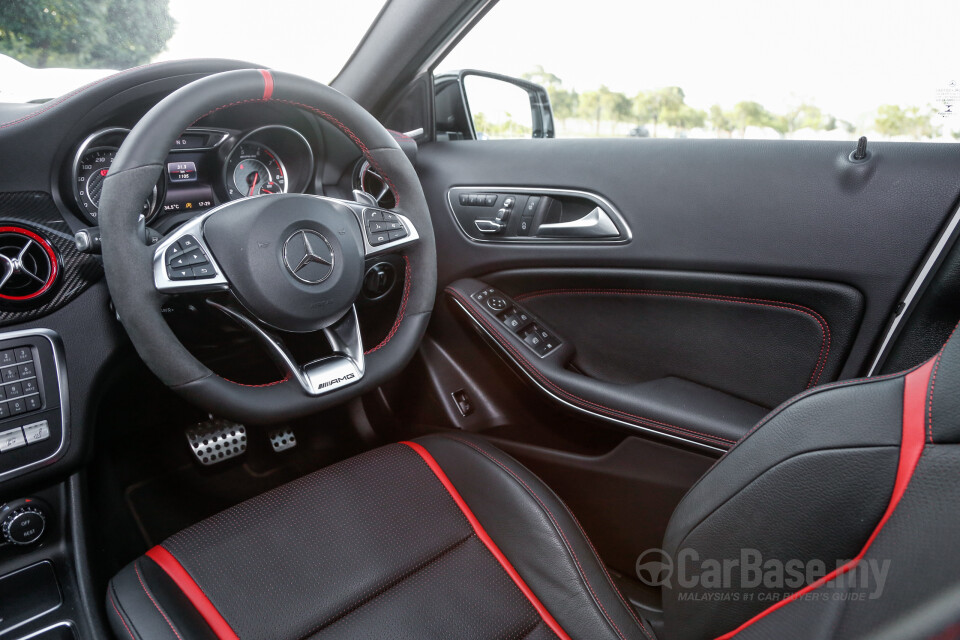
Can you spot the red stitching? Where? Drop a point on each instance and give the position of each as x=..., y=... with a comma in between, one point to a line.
x=605, y=572
x=403, y=307
x=556, y=524
x=933, y=382
x=136, y=568
x=656, y=424
x=398, y=135
x=119, y=615
x=258, y=386
x=825, y=336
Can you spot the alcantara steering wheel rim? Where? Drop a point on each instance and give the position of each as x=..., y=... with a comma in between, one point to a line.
x=290, y=263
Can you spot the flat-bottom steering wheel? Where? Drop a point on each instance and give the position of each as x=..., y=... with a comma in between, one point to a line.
x=288, y=263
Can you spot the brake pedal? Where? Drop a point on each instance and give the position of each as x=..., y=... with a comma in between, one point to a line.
x=282, y=439
x=217, y=440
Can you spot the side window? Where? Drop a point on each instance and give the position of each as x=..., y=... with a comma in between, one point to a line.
x=826, y=70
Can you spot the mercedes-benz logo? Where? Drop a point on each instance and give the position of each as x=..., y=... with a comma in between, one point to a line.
x=308, y=256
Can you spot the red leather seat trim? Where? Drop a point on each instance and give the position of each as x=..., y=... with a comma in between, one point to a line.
x=915, y=386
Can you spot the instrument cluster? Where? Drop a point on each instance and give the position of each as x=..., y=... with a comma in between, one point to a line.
x=205, y=167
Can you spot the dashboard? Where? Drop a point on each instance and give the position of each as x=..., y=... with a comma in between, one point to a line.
x=206, y=167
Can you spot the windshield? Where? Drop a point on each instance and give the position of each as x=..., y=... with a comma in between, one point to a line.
x=50, y=47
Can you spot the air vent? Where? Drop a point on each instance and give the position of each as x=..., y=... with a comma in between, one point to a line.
x=28, y=264
x=372, y=183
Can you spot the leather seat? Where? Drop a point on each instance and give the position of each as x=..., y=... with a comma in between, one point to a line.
x=446, y=537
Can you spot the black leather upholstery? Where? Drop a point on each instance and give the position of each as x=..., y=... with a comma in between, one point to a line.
x=376, y=547
x=448, y=537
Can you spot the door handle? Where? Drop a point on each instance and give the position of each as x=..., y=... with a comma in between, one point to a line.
x=596, y=224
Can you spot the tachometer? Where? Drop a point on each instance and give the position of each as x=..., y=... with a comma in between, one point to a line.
x=252, y=170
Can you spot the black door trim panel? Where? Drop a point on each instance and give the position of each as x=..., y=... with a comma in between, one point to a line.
x=465, y=216
x=698, y=416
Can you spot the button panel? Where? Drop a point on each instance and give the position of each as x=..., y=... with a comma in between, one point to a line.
x=33, y=427
x=382, y=227
x=19, y=386
x=518, y=320
x=186, y=260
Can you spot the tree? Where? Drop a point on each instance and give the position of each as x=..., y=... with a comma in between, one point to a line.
x=658, y=106
x=684, y=117
x=604, y=105
x=84, y=33
x=750, y=114
x=722, y=120
x=893, y=120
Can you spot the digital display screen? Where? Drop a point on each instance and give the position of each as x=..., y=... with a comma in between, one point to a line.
x=189, y=182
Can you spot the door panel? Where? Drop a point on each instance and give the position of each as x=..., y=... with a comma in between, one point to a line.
x=791, y=209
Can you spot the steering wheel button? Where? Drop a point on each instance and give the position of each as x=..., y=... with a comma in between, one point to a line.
x=389, y=217
x=373, y=215
x=180, y=274
x=197, y=256
x=378, y=238
x=397, y=234
x=189, y=243
x=173, y=252
x=203, y=271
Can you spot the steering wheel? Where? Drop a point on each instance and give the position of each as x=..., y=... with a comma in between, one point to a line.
x=286, y=262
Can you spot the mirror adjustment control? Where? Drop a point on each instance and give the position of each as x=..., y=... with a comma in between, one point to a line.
x=496, y=303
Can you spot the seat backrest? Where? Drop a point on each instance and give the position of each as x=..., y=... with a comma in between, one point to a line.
x=835, y=516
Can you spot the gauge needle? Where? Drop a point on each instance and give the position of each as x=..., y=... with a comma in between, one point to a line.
x=253, y=185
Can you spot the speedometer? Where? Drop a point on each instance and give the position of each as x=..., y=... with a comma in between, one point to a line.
x=91, y=164
x=253, y=169
x=92, y=169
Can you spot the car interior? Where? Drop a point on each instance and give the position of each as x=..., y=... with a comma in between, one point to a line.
x=283, y=359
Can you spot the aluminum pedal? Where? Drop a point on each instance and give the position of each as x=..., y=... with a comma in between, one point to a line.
x=282, y=439
x=217, y=440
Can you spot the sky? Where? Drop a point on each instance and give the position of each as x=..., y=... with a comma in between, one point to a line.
x=846, y=56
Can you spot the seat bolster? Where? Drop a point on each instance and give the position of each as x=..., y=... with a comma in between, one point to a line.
x=142, y=591
x=539, y=536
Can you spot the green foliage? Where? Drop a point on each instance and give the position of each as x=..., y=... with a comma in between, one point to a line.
x=507, y=128
x=667, y=106
x=84, y=33
x=604, y=105
x=893, y=120
x=722, y=120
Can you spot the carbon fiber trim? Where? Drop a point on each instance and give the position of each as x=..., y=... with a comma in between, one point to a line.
x=37, y=212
